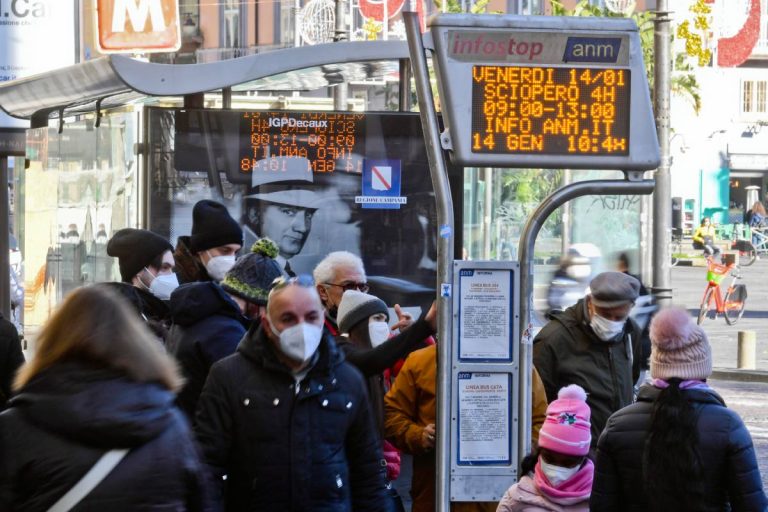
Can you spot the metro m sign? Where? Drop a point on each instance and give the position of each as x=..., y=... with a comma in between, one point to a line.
x=138, y=26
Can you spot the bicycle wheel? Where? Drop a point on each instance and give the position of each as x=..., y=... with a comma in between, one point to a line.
x=747, y=254
x=704, y=307
x=733, y=309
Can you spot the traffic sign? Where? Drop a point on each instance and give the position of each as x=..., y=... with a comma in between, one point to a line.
x=538, y=91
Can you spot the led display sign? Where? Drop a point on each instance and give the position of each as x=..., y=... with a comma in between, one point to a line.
x=318, y=141
x=548, y=110
x=538, y=91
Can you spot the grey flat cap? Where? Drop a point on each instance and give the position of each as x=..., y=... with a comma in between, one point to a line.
x=612, y=289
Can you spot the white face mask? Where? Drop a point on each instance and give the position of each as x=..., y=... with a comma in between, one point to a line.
x=300, y=341
x=605, y=329
x=557, y=474
x=378, y=332
x=218, y=266
x=162, y=286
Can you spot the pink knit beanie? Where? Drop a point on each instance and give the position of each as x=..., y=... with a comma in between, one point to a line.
x=566, y=429
x=680, y=348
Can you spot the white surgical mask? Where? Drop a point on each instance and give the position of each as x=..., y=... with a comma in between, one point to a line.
x=605, y=329
x=300, y=341
x=218, y=266
x=378, y=332
x=162, y=286
x=557, y=474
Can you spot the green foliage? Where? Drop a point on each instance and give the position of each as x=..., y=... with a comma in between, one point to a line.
x=683, y=82
x=454, y=6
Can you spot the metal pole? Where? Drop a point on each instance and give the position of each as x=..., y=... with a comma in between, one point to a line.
x=444, y=202
x=662, y=197
x=527, y=241
x=340, y=89
x=5, y=274
x=405, y=86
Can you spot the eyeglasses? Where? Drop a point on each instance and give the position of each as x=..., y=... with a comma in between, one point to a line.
x=361, y=287
x=302, y=280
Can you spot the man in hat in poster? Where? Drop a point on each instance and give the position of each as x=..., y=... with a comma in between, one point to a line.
x=283, y=213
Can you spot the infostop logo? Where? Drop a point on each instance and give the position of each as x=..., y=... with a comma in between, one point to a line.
x=482, y=45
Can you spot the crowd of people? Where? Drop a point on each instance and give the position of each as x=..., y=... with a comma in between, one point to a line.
x=203, y=381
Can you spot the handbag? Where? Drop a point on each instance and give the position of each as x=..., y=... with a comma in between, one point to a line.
x=92, y=478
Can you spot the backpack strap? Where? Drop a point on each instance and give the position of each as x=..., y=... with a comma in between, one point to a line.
x=92, y=478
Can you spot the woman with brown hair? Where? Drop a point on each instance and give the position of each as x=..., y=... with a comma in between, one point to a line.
x=98, y=388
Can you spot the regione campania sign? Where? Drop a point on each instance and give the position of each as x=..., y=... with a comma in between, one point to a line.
x=131, y=26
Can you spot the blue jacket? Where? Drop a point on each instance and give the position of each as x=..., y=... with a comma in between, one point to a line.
x=288, y=446
x=69, y=415
x=207, y=326
x=730, y=472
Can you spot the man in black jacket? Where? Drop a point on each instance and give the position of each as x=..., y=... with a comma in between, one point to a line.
x=287, y=420
x=596, y=345
x=11, y=358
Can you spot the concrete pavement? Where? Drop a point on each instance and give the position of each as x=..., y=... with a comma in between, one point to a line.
x=688, y=285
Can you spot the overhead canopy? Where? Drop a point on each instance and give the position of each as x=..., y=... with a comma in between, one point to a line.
x=116, y=80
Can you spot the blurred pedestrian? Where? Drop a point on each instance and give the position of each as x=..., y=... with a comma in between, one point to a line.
x=409, y=423
x=98, y=391
x=372, y=349
x=679, y=447
x=209, y=319
x=623, y=265
x=704, y=238
x=596, y=345
x=11, y=358
x=287, y=420
x=209, y=252
x=557, y=475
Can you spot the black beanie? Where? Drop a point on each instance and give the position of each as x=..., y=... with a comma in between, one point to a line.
x=135, y=249
x=253, y=273
x=213, y=226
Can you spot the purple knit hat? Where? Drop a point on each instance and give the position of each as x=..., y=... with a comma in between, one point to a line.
x=679, y=348
x=566, y=429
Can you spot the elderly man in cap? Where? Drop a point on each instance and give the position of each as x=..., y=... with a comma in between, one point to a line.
x=596, y=345
x=282, y=213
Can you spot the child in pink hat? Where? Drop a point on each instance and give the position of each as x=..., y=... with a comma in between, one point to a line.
x=557, y=476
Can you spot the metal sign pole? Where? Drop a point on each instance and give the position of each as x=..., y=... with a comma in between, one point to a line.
x=5, y=276
x=438, y=171
x=525, y=251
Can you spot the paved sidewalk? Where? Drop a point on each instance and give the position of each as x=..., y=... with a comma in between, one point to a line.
x=688, y=285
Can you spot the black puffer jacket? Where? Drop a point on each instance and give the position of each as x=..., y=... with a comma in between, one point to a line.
x=731, y=474
x=11, y=358
x=287, y=448
x=567, y=351
x=67, y=417
x=207, y=326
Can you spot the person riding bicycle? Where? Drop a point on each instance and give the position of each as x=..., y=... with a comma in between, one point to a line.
x=704, y=238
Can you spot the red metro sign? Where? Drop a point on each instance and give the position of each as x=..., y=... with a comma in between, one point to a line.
x=138, y=26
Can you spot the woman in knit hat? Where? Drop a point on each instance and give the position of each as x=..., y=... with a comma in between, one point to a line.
x=372, y=349
x=678, y=447
x=557, y=475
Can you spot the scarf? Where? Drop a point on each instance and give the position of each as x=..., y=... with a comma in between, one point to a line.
x=686, y=384
x=574, y=490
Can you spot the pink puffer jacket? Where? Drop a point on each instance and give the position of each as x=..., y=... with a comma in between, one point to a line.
x=524, y=496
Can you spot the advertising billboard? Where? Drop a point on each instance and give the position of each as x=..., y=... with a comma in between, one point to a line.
x=314, y=182
x=35, y=36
